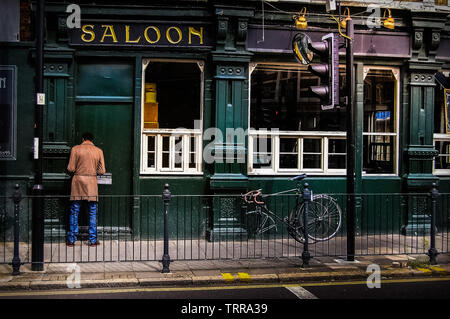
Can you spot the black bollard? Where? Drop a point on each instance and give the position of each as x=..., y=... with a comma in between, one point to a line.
x=166, y=258
x=432, y=252
x=17, y=197
x=306, y=200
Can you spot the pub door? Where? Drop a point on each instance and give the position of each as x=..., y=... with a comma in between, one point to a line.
x=112, y=127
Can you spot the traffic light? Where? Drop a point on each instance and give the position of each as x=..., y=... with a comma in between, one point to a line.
x=328, y=70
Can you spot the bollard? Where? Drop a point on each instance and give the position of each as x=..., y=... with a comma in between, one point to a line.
x=17, y=197
x=306, y=199
x=166, y=258
x=432, y=252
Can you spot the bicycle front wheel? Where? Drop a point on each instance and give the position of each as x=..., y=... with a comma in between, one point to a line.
x=324, y=217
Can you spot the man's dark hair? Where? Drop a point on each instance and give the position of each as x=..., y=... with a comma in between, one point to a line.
x=88, y=136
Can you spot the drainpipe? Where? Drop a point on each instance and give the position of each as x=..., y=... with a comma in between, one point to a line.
x=37, y=249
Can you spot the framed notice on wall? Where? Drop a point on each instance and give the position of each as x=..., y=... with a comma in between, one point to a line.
x=447, y=107
x=7, y=112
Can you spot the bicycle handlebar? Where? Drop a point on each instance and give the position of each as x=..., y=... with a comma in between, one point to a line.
x=299, y=177
x=253, y=194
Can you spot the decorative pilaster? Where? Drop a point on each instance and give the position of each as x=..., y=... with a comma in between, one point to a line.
x=419, y=152
x=231, y=122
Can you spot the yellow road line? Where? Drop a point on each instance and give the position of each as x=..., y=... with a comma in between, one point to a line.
x=254, y=286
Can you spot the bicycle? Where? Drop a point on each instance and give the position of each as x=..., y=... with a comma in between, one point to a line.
x=324, y=214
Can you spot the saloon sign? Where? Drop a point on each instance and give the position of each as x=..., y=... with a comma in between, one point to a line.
x=152, y=34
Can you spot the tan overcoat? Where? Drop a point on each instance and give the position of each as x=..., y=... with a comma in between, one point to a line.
x=86, y=162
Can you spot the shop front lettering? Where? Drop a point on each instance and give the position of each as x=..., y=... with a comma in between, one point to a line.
x=141, y=35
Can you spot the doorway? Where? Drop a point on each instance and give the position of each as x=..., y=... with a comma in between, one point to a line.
x=112, y=127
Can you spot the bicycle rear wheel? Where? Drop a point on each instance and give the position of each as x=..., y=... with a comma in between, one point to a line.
x=324, y=217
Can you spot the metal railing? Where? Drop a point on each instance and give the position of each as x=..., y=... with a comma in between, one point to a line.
x=131, y=228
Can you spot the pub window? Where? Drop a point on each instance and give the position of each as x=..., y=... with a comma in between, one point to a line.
x=441, y=135
x=289, y=132
x=380, y=135
x=171, y=116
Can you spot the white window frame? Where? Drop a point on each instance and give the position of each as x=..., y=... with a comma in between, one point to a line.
x=185, y=134
x=396, y=73
x=440, y=137
x=275, y=136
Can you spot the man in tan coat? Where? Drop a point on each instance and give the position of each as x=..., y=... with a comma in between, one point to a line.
x=86, y=162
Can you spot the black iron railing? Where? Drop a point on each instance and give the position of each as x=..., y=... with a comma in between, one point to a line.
x=131, y=228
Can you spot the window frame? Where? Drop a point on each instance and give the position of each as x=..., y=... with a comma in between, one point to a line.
x=159, y=133
x=275, y=136
x=396, y=73
x=440, y=137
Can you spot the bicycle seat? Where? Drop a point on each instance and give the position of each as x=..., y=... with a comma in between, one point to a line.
x=298, y=178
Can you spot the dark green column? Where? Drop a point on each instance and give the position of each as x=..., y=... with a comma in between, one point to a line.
x=229, y=149
x=420, y=152
x=229, y=179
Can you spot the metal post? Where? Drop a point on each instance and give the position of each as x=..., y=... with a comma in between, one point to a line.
x=17, y=197
x=350, y=145
x=37, y=249
x=432, y=252
x=166, y=258
x=306, y=199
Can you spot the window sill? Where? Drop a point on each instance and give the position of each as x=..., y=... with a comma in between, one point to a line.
x=147, y=174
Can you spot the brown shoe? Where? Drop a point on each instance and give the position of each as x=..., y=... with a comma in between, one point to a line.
x=69, y=244
x=93, y=244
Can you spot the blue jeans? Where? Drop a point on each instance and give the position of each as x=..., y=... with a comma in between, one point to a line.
x=73, y=221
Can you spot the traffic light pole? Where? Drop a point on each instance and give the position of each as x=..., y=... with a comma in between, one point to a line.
x=351, y=117
x=37, y=245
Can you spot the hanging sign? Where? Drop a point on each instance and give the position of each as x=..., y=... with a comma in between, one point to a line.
x=150, y=34
x=7, y=111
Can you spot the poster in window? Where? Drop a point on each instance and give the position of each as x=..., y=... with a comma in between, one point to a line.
x=7, y=112
x=447, y=107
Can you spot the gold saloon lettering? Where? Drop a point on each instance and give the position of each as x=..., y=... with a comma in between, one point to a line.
x=192, y=31
x=127, y=36
x=169, y=38
x=158, y=34
x=86, y=31
x=111, y=33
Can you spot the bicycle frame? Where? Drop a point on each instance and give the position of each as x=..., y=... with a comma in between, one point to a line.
x=262, y=205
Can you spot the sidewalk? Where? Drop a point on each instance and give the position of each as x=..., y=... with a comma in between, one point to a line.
x=222, y=272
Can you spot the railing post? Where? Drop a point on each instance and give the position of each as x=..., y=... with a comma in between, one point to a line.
x=166, y=258
x=17, y=197
x=306, y=200
x=432, y=252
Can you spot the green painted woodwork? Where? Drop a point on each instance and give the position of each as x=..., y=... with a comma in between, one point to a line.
x=110, y=80
x=112, y=129
x=18, y=54
x=231, y=169
x=105, y=79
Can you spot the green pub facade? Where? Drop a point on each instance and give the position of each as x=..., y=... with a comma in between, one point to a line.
x=208, y=97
